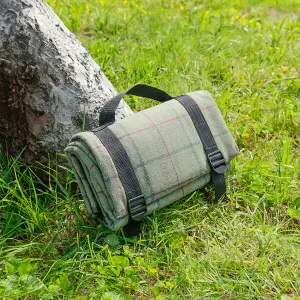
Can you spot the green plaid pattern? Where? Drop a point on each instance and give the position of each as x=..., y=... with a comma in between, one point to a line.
x=165, y=151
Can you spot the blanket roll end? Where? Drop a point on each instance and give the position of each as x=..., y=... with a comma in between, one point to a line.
x=165, y=151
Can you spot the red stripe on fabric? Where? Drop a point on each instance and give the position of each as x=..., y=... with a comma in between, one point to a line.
x=208, y=107
x=152, y=126
x=165, y=148
x=115, y=177
x=164, y=122
x=95, y=148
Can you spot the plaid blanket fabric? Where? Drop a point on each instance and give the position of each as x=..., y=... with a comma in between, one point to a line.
x=165, y=151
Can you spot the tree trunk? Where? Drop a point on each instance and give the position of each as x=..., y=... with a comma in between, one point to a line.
x=50, y=87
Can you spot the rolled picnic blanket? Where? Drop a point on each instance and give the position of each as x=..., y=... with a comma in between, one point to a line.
x=151, y=158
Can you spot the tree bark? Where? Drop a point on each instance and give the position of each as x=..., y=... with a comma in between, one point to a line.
x=50, y=87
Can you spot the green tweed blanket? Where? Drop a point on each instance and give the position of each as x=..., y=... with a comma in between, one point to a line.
x=165, y=151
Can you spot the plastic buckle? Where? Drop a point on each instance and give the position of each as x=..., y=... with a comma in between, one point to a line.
x=217, y=161
x=137, y=208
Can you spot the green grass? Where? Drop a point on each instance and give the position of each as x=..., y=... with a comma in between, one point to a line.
x=246, y=54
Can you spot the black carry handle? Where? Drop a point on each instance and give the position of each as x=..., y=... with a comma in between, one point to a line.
x=107, y=113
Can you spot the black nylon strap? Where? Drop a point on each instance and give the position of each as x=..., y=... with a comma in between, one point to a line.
x=107, y=114
x=213, y=154
x=136, y=204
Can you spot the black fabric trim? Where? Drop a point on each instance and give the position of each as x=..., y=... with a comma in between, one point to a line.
x=214, y=156
x=136, y=204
